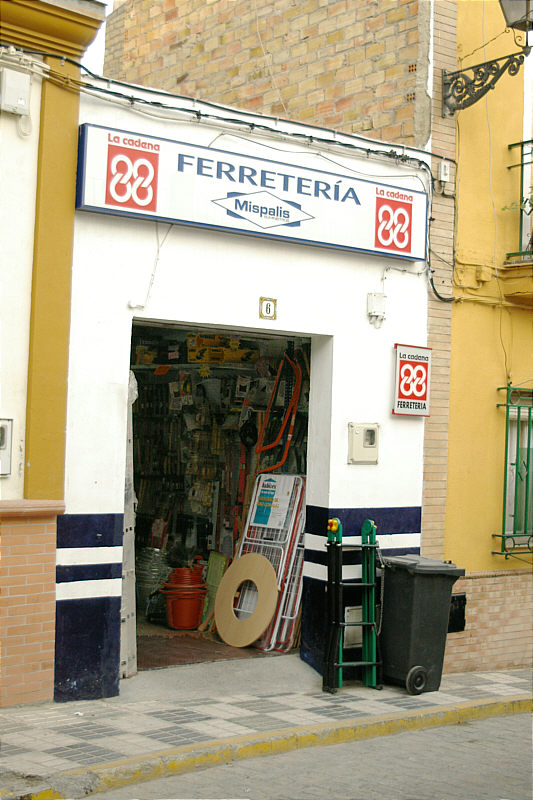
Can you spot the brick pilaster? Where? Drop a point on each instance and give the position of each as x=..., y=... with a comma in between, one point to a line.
x=27, y=600
x=441, y=258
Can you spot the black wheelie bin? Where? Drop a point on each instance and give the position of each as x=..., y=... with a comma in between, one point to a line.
x=416, y=608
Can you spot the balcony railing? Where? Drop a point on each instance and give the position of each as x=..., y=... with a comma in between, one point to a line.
x=524, y=204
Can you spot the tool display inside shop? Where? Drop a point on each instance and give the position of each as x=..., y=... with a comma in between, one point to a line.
x=214, y=411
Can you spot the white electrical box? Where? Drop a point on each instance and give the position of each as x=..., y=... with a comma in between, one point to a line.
x=444, y=171
x=363, y=442
x=6, y=436
x=14, y=91
x=375, y=304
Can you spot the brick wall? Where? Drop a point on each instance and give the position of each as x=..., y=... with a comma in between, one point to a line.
x=498, y=631
x=351, y=65
x=27, y=600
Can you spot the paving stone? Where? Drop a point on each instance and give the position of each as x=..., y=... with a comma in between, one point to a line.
x=52, y=738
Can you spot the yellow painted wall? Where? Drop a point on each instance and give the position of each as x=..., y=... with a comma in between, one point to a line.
x=477, y=429
x=492, y=339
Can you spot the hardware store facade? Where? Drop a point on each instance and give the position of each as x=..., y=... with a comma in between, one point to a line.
x=205, y=254
x=209, y=246
x=38, y=163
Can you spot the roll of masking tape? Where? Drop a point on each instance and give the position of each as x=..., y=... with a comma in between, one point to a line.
x=242, y=632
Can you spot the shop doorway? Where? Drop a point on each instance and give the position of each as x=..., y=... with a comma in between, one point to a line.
x=211, y=410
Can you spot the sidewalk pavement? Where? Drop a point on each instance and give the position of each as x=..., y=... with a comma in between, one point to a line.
x=176, y=720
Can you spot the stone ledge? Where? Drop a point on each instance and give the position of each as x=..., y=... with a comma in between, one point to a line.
x=517, y=279
x=496, y=573
x=11, y=509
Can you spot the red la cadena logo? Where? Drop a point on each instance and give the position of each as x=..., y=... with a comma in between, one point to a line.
x=413, y=381
x=394, y=213
x=131, y=175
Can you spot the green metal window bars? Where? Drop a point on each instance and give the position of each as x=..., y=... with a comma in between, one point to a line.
x=525, y=202
x=517, y=517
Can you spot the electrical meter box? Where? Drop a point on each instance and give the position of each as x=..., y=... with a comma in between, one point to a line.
x=363, y=441
x=14, y=91
x=6, y=435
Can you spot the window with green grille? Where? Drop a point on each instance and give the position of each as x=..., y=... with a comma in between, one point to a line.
x=517, y=517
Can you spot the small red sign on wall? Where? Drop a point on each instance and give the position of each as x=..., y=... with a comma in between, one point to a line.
x=413, y=376
x=131, y=178
x=393, y=223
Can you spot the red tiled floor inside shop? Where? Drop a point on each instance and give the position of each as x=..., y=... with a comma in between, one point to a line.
x=158, y=646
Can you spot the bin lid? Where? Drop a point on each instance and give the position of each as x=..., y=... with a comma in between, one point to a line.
x=416, y=564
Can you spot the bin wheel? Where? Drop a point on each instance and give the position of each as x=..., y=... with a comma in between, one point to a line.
x=416, y=680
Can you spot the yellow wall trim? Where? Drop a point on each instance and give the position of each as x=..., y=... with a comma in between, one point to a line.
x=53, y=27
x=51, y=292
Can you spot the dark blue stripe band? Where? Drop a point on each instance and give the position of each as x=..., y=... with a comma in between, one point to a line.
x=321, y=557
x=316, y=520
x=87, y=572
x=90, y=530
x=401, y=551
x=87, y=654
x=315, y=556
x=406, y=519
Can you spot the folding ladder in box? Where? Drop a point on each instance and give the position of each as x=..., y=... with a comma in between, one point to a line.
x=275, y=529
x=333, y=656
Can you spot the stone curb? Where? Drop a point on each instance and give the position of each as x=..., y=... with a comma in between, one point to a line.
x=179, y=760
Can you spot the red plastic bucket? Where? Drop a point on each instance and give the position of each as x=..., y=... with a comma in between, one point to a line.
x=184, y=607
x=187, y=576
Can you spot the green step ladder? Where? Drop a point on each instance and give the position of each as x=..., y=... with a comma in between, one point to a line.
x=333, y=654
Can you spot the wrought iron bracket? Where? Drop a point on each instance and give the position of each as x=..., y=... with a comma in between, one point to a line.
x=465, y=87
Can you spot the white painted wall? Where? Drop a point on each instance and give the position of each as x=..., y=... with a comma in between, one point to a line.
x=216, y=278
x=19, y=139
